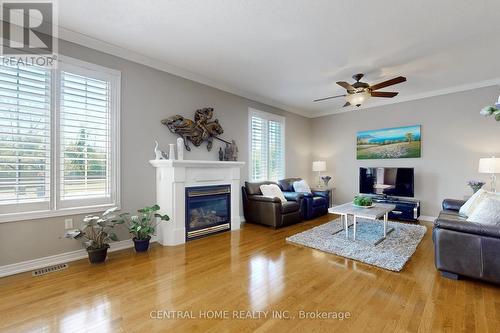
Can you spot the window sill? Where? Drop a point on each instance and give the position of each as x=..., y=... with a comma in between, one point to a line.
x=35, y=215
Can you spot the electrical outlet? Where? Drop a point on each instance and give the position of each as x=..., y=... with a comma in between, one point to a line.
x=68, y=224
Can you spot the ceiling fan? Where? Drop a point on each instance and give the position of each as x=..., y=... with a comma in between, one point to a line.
x=359, y=92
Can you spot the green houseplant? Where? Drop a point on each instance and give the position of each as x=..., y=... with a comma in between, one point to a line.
x=492, y=111
x=96, y=232
x=143, y=225
x=362, y=201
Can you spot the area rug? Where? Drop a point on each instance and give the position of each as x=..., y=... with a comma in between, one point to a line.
x=391, y=254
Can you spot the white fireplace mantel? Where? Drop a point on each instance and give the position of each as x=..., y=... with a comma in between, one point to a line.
x=172, y=178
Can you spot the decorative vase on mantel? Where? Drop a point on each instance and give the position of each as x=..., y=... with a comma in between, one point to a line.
x=171, y=151
x=180, y=149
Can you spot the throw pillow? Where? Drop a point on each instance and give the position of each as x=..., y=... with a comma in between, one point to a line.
x=273, y=191
x=487, y=212
x=472, y=203
x=301, y=186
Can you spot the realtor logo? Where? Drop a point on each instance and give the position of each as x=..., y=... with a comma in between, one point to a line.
x=28, y=28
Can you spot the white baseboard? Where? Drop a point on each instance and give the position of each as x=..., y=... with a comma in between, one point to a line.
x=29, y=265
x=426, y=218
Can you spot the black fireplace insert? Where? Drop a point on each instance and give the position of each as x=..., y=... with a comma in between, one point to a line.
x=208, y=210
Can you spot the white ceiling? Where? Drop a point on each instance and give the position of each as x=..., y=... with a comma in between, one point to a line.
x=289, y=52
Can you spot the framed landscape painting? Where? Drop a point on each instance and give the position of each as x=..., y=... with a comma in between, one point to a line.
x=398, y=142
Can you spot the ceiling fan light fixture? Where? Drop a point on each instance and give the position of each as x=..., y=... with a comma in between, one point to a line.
x=358, y=98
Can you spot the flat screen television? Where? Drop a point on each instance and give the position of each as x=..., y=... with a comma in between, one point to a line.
x=396, y=182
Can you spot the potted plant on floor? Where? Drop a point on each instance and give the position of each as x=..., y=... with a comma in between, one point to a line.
x=97, y=232
x=143, y=225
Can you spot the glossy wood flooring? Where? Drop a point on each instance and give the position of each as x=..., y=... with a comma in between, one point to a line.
x=250, y=270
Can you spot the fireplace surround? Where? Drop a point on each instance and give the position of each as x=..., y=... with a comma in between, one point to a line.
x=174, y=180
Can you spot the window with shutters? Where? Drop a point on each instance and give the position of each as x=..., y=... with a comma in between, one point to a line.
x=267, y=146
x=59, y=139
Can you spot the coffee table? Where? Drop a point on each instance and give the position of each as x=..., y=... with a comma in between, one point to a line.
x=374, y=213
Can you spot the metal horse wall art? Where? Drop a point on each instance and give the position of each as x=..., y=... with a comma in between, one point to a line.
x=197, y=131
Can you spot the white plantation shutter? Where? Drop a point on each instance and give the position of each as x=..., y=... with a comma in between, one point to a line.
x=258, y=148
x=276, y=150
x=25, y=121
x=267, y=146
x=59, y=139
x=85, y=139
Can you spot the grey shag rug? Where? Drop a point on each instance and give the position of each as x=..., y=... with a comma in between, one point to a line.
x=392, y=253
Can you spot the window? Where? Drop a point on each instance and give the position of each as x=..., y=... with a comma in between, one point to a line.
x=59, y=139
x=267, y=146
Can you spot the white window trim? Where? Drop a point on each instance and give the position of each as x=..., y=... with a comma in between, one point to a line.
x=55, y=209
x=268, y=116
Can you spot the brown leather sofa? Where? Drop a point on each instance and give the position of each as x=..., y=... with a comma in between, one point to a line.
x=269, y=211
x=465, y=248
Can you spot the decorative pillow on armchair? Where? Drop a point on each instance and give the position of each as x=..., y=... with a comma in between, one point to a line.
x=470, y=205
x=301, y=186
x=273, y=191
x=487, y=212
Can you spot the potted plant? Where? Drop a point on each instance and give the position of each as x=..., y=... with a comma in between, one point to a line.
x=143, y=225
x=362, y=201
x=96, y=232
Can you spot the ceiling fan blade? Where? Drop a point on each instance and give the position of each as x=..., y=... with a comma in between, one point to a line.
x=383, y=94
x=323, y=99
x=346, y=86
x=346, y=104
x=387, y=83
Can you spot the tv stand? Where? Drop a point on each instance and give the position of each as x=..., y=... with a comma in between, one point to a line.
x=406, y=209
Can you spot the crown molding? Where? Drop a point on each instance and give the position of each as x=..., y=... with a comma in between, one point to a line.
x=118, y=51
x=445, y=91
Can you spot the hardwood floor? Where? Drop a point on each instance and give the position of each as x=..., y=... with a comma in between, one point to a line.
x=250, y=270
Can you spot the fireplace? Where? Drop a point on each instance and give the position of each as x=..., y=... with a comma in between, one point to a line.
x=208, y=210
x=173, y=177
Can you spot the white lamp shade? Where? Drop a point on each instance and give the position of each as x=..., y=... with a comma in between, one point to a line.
x=319, y=166
x=489, y=165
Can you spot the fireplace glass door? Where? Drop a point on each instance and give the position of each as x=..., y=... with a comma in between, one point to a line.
x=207, y=210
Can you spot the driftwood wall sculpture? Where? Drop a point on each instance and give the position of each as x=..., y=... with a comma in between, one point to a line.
x=197, y=131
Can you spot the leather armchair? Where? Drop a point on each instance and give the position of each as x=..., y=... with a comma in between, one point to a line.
x=269, y=211
x=314, y=204
x=465, y=248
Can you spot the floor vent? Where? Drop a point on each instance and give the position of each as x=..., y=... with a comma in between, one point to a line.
x=50, y=269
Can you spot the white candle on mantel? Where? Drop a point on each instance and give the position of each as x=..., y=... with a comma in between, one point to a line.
x=180, y=149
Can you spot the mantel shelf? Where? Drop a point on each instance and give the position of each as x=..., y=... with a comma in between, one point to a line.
x=195, y=163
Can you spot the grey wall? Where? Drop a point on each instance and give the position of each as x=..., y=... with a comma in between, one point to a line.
x=454, y=137
x=148, y=96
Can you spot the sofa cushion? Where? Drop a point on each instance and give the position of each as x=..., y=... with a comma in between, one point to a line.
x=319, y=201
x=451, y=215
x=289, y=207
x=487, y=212
x=273, y=191
x=287, y=184
x=301, y=186
x=253, y=188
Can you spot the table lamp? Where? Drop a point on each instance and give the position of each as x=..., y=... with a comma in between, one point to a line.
x=319, y=166
x=490, y=165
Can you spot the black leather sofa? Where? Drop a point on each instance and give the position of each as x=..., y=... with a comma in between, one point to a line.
x=270, y=211
x=465, y=248
x=313, y=205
